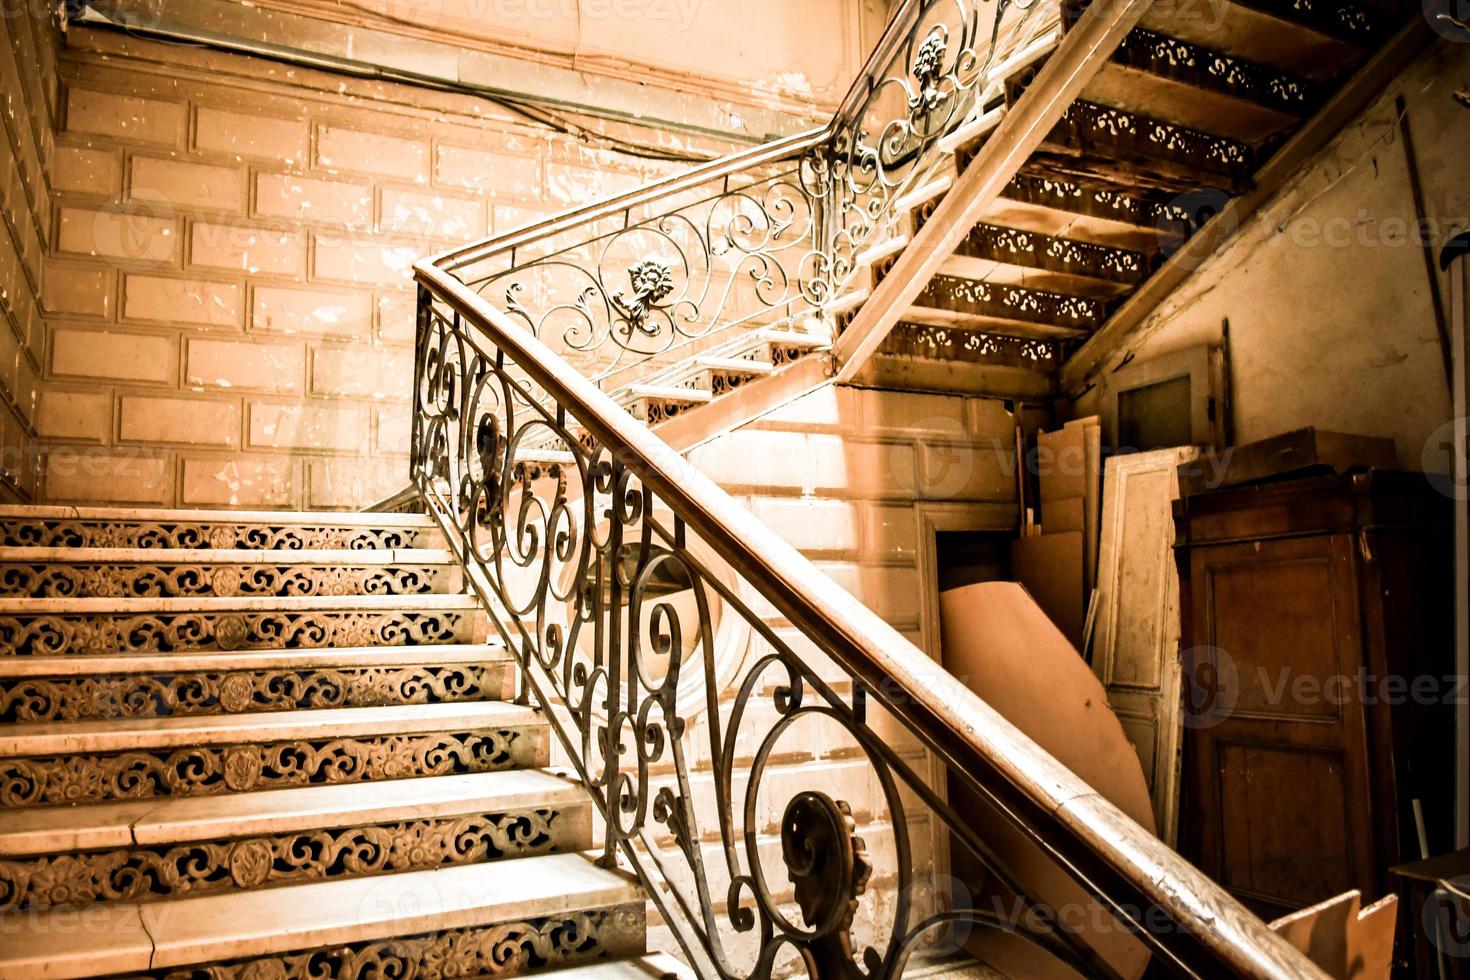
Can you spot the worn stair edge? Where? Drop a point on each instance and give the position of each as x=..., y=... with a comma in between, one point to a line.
x=652, y=966
x=76, y=737
x=167, y=515
x=224, y=556
x=104, y=606
x=234, y=925
x=35, y=831
x=92, y=665
x=669, y=393
x=733, y=365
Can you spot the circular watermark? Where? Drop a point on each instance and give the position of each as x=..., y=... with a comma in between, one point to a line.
x=1450, y=19
x=1442, y=916
x=1437, y=459
x=1177, y=221
x=1211, y=686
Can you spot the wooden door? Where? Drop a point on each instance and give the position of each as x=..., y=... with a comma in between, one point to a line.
x=1136, y=650
x=1276, y=737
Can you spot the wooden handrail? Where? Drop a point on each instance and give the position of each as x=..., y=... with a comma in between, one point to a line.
x=1084, y=49
x=1211, y=934
x=767, y=153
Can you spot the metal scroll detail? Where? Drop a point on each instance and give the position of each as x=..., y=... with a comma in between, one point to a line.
x=735, y=254
x=768, y=246
x=600, y=592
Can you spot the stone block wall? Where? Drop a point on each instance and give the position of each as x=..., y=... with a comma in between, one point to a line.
x=228, y=297
x=28, y=104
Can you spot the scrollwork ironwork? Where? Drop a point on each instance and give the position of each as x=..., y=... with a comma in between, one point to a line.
x=613, y=617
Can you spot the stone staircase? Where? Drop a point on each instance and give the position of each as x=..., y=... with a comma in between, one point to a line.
x=278, y=745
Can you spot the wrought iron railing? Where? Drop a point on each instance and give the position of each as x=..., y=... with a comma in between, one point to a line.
x=769, y=237
x=612, y=567
x=618, y=574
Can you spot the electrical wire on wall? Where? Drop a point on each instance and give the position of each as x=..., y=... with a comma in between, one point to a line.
x=83, y=14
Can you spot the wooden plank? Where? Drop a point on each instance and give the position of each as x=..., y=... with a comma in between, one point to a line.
x=1291, y=452
x=1361, y=89
x=1050, y=567
x=1084, y=50
x=1005, y=649
x=1136, y=646
x=1346, y=941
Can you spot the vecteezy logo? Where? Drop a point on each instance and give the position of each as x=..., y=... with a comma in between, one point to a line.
x=1178, y=220
x=1437, y=460
x=1443, y=916
x=1450, y=19
x=1211, y=686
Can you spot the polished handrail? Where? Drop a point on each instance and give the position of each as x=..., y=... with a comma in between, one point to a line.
x=1207, y=932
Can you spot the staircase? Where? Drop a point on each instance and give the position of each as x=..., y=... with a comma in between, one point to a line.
x=1192, y=118
x=278, y=745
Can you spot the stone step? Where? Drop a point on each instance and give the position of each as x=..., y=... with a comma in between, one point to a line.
x=148, y=850
x=498, y=919
x=127, y=527
x=49, y=627
x=80, y=688
x=491, y=651
x=653, y=966
x=100, y=760
x=182, y=572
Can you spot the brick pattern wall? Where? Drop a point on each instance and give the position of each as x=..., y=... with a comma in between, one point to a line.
x=28, y=100
x=229, y=294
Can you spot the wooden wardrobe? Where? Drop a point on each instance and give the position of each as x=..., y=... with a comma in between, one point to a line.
x=1310, y=609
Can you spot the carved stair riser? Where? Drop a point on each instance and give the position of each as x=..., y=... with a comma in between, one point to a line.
x=502, y=950
x=50, y=635
x=108, y=580
x=217, y=769
x=161, y=694
x=60, y=533
x=192, y=868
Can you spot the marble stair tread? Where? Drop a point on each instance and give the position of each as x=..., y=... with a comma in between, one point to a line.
x=86, y=665
x=210, y=928
x=12, y=606
x=100, y=826
x=653, y=966
x=67, y=943
x=734, y=365
x=118, y=735
x=227, y=556
x=794, y=338
x=164, y=515
x=669, y=393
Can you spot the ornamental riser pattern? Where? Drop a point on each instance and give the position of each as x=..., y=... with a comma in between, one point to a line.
x=142, y=874
x=502, y=950
x=972, y=297
x=52, y=635
x=105, y=580
x=46, y=533
x=31, y=700
x=216, y=770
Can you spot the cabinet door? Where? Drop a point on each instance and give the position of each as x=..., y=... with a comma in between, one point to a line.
x=1275, y=723
x=1136, y=654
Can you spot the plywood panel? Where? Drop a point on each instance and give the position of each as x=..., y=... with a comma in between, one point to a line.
x=1008, y=652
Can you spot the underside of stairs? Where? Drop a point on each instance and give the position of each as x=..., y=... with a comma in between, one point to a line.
x=279, y=745
x=1192, y=118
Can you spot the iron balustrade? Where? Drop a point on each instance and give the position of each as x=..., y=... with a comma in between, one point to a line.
x=613, y=568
